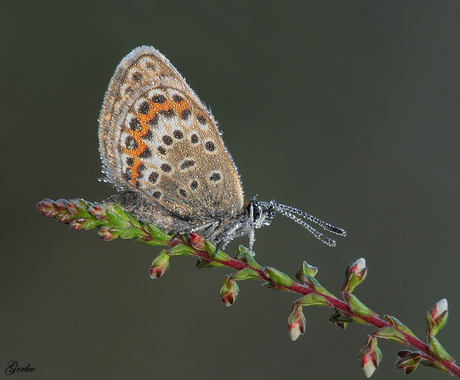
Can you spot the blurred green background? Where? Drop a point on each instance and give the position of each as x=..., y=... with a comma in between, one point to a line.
x=347, y=110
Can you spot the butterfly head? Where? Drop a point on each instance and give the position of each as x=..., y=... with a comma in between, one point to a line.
x=260, y=213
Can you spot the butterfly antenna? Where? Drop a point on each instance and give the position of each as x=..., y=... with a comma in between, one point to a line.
x=291, y=213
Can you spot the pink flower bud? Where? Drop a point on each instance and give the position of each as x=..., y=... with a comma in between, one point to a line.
x=45, y=207
x=59, y=206
x=354, y=275
x=159, y=266
x=370, y=356
x=228, y=299
x=98, y=212
x=368, y=366
x=436, y=318
x=63, y=218
x=105, y=234
x=77, y=224
x=71, y=208
x=296, y=322
x=357, y=267
x=197, y=241
x=229, y=291
x=438, y=309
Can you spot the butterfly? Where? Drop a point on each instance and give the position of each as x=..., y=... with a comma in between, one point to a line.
x=162, y=150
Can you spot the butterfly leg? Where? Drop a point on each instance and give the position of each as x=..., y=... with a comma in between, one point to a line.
x=238, y=229
x=212, y=225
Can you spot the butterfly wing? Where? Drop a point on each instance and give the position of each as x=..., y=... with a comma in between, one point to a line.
x=156, y=137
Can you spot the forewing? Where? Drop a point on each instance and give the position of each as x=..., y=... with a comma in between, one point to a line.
x=157, y=137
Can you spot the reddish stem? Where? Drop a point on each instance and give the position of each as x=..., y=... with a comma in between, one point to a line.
x=340, y=305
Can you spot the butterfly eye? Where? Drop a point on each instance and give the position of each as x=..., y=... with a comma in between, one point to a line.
x=256, y=212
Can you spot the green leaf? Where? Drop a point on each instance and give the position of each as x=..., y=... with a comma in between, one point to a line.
x=181, y=250
x=203, y=264
x=390, y=333
x=130, y=233
x=161, y=258
x=242, y=252
x=397, y=323
x=218, y=255
x=115, y=220
x=317, y=286
x=157, y=233
x=151, y=243
x=92, y=223
x=134, y=222
x=357, y=306
x=249, y=259
x=278, y=277
x=437, y=350
x=313, y=299
x=245, y=274
x=122, y=214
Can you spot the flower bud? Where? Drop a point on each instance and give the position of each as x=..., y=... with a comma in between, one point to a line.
x=197, y=241
x=370, y=356
x=438, y=309
x=296, y=322
x=63, y=218
x=45, y=207
x=105, y=234
x=339, y=319
x=354, y=275
x=436, y=318
x=72, y=208
x=229, y=291
x=59, y=205
x=408, y=361
x=159, y=266
x=368, y=366
x=98, y=212
x=306, y=270
x=78, y=224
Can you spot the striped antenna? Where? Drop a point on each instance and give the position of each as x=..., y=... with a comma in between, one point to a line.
x=292, y=212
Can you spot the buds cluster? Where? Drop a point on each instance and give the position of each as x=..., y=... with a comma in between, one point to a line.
x=115, y=223
x=76, y=212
